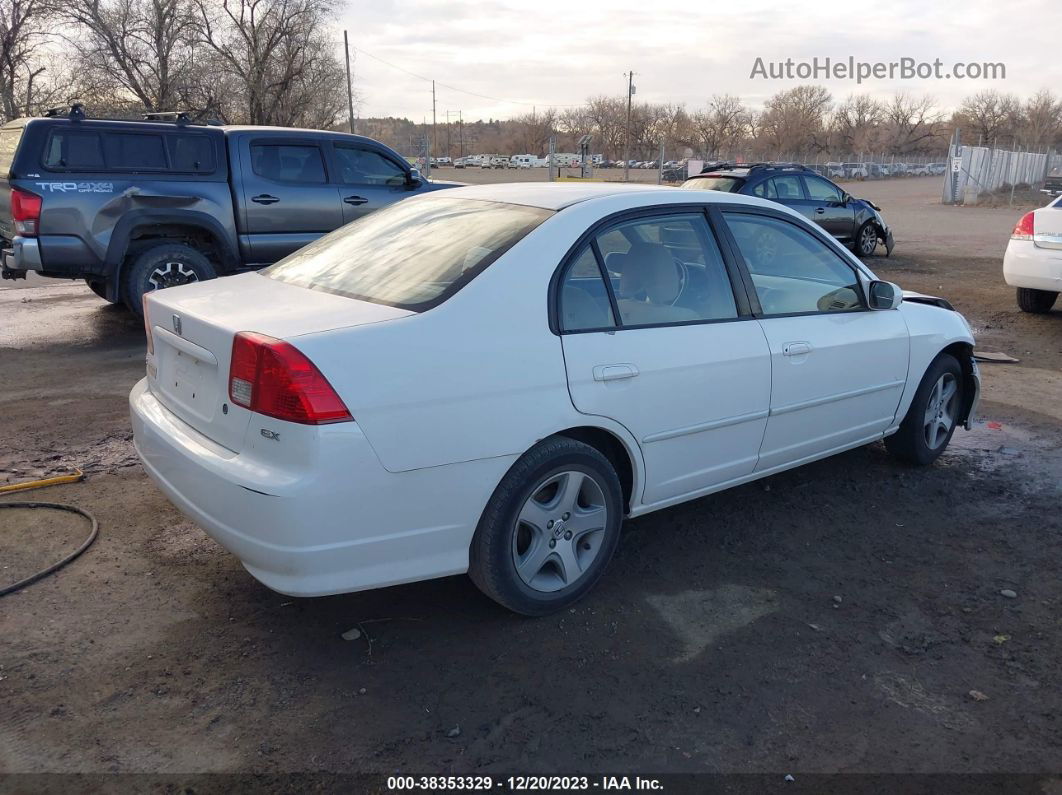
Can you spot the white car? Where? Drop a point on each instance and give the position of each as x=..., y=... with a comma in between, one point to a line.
x=489, y=379
x=1033, y=261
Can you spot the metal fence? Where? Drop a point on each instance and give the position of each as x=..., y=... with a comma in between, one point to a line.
x=976, y=170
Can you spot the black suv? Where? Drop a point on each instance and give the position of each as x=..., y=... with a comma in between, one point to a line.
x=856, y=222
x=132, y=206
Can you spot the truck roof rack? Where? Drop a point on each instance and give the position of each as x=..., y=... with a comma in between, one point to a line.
x=764, y=166
x=178, y=116
x=75, y=111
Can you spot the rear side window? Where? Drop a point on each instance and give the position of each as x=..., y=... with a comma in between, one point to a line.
x=288, y=162
x=191, y=153
x=93, y=150
x=413, y=254
x=75, y=150
x=9, y=139
x=134, y=151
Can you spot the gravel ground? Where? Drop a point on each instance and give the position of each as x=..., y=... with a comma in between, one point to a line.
x=847, y=616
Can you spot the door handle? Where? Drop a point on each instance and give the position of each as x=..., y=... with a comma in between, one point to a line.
x=614, y=372
x=796, y=348
x=356, y=200
x=264, y=198
x=820, y=210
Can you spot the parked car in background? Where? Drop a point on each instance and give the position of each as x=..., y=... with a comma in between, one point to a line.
x=499, y=161
x=689, y=342
x=856, y=222
x=444, y=161
x=937, y=169
x=855, y=171
x=834, y=171
x=460, y=162
x=134, y=206
x=1033, y=261
x=1053, y=182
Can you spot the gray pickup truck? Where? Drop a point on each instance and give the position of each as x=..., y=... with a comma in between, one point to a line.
x=134, y=206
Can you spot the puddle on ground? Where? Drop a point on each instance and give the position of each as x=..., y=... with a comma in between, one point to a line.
x=110, y=453
x=993, y=447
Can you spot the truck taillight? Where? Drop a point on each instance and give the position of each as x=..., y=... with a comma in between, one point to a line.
x=26, y=212
x=1024, y=229
x=272, y=377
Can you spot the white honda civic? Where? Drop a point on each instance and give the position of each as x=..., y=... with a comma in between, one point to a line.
x=1033, y=260
x=488, y=380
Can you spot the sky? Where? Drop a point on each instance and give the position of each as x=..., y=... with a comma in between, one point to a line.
x=503, y=58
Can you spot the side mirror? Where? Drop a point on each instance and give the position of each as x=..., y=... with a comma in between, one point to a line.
x=884, y=295
x=413, y=179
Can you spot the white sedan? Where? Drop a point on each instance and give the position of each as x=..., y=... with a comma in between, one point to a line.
x=489, y=380
x=1033, y=261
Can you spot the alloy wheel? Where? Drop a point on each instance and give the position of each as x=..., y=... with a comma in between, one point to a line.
x=172, y=274
x=559, y=531
x=868, y=240
x=941, y=411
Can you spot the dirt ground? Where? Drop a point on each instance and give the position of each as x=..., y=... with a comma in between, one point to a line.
x=843, y=617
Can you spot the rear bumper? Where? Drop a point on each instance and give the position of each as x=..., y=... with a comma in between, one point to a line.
x=23, y=255
x=1034, y=267
x=347, y=525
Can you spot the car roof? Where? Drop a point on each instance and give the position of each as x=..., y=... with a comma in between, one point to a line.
x=558, y=195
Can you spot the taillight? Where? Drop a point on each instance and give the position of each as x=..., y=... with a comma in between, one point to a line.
x=1023, y=230
x=271, y=377
x=26, y=212
x=147, y=325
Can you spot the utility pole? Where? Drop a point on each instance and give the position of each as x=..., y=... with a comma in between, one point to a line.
x=434, y=138
x=350, y=88
x=627, y=144
x=461, y=132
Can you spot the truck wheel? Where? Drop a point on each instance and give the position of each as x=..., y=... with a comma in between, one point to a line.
x=100, y=289
x=162, y=266
x=1036, y=301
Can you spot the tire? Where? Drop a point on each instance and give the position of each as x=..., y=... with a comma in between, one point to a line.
x=162, y=266
x=916, y=442
x=1038, y=302
x=866, y=240
x=100, y=289
x=558, y=510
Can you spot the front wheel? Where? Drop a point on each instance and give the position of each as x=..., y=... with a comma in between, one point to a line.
x=866, y=239
x=1037, y=302
x=549, y=529
x=933, y=415
x=162, y=266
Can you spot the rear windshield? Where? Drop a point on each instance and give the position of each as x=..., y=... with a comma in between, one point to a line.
x=413, y=254
x=725, y=184
x=9, y=138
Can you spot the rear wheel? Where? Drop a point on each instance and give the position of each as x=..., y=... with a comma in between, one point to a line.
x=162, y=266
x=100, y=289
x=549, y=529
x=933, y=416
x=1035, y=301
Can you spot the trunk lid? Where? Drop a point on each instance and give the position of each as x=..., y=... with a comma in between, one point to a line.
x=1047, y=226
x=192, y=329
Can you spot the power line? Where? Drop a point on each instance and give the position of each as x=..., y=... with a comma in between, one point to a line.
x=461, y=90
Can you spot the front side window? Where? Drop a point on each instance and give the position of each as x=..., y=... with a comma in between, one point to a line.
x=288, y=163
x=793, y=271
x=361, y=166
x=414, y=254
x=822, y=191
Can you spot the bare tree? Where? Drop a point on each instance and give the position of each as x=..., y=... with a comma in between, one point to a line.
x=278, y=51
x=139, y=47
x=856, y=121
x=990, y=115
x=1041, y=123
x=912, y=123
x=23, y=32
x=721, y=125
x=794, y=121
